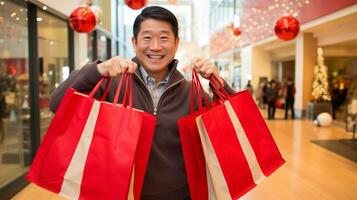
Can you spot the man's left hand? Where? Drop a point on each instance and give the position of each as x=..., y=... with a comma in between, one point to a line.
x=206, y=68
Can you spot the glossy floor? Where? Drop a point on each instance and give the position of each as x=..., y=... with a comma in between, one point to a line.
x=310, y=172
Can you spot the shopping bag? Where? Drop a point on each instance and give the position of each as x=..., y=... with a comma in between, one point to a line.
x=89, y=148
x=239, y=149
x=142, y=156
x=195, y=165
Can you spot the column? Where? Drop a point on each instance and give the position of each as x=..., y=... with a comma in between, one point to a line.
x=305, y=60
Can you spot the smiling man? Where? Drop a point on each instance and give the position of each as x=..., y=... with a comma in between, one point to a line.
x=157, y=88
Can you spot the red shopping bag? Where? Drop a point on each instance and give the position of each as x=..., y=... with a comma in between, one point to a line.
x=142, y=155
x=89, y=149
x=191, y=145
x=238, y=147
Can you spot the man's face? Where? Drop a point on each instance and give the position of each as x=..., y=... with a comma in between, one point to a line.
x=155, y=45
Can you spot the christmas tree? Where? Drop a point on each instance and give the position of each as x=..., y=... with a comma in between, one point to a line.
x=320, y=85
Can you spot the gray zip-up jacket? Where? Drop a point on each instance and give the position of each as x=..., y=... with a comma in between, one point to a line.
x=165, y=176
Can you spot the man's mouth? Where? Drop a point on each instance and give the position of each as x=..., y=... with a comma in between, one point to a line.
x=155, y=57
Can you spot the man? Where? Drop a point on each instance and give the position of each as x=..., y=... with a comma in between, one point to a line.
x=157, y=88
x=289, y=91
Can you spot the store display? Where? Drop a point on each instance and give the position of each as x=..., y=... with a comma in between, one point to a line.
x=320, y=88
x=82, y=20
x=136, y=4
x=287, y=27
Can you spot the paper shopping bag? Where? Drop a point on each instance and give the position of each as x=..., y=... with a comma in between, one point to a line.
x=195, y=165
x=238, y=147
x=89, y=148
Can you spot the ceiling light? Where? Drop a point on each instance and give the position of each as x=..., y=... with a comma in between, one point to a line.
x=44, y=7
x=2, y=3
x=13, y=14
x=39, y=19
x=17, y=18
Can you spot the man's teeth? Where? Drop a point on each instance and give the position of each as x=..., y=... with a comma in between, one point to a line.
x=155, y=57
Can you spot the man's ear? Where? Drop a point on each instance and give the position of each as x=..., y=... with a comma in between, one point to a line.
x=133, y=42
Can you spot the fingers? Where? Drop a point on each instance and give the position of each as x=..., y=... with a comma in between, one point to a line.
x=116, y=66
x=204, y=67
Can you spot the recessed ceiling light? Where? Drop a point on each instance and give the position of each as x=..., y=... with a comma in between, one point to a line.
x=39, y=19
x=44, y=7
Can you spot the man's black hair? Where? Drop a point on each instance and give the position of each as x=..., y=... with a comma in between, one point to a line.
x=158, y=13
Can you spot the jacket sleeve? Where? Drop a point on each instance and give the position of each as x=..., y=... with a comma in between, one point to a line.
x=82, y=80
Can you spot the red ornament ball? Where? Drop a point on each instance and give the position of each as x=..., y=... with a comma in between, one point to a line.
x=287, y=27
x=82, y=20
x=136, y=4
x=237, y=31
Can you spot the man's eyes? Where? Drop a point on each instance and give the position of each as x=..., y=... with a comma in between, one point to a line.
x=164, y=38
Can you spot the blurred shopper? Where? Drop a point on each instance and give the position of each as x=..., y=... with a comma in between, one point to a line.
x=289, y=91
x=272, y=95
x=264, y=94
x=158, y=88
x=249, y=87
x=259, y=95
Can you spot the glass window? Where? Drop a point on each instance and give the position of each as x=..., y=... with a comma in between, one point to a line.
x=90, y=39
x=102, y=46
x=15, y=141
x=53, y=60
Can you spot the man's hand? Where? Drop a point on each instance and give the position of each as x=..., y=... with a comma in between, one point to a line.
x=115, y=66
x=206, y=68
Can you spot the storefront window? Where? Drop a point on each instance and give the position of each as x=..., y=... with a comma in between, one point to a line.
x=53, y=60
x=15, y=141
x=90, y=39
x=102, y=46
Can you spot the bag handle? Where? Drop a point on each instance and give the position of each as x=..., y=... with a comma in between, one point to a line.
x=125, y=77
x=222, y=93
x=197, y=87
x=97, y=86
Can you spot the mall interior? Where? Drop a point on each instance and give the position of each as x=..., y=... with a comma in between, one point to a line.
x=39, y=49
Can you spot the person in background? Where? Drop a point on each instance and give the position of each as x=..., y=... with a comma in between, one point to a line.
x=289, y=91
x=272, y=94
x=249, y=87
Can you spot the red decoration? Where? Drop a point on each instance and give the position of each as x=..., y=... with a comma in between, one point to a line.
x=287, y=27
x=135, y=4
x=82, y=20
x=237, y=31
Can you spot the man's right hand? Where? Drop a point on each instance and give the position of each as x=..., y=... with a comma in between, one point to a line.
x=115, y=66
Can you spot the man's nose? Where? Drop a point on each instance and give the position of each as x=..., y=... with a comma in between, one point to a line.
x=156, y=45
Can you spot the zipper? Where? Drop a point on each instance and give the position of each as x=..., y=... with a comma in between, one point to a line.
x=163, y=93
x=147, y=89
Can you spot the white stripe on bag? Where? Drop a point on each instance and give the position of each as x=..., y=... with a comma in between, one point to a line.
x=217, y=185
x=71, y=185
x=245, y=144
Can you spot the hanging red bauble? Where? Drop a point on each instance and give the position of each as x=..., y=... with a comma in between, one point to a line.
x=237, y=31
x=82, y=20
x=136, y=4
x=287, y=27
